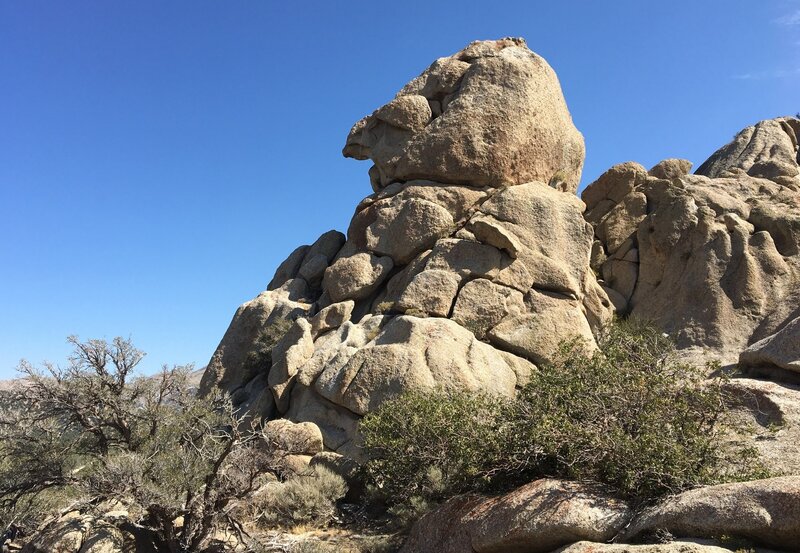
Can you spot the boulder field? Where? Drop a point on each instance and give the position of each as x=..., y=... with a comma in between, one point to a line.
x=474, y=258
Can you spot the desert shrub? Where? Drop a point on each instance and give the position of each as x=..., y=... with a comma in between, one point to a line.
x=629, y=416
x=308, y=498
x=315, y=546
x=429, y=445
x=94, y=432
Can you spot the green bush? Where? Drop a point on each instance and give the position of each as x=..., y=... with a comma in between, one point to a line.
x=432, y=445
x=628, y=416
x=302, y=499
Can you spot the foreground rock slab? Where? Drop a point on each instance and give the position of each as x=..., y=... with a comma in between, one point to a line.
x=536, y=518
x=765, y=511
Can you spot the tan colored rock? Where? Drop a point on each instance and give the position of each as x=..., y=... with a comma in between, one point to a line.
x=332, y=316
x=289, y=268
x=289, y=354
x=65, y=535
x=621, y=275
x=80, y=532
x=489, y=231
x=356, y=277
x=295, y=464
x=537, y=334
x=482, y=304
x=671, y=169
x=765, y=416
x=339, y=427
x=781, y=220
x=598, y=256
x=256, y=400
x=618, y=300
x=713, y=260
x=313, y=270
x=410, y=112
x=781, y=349
x=767, y=511
x=336, y=347
x=309, y=262
x=430, y=292
x=459, y=201
x=622, y=221
x=234, y=362
x=768, y=149
x=497, y=117
x=611, y=188
x=401, y=230
x=547, y=224
x=303, y=438
x=328, y=244
x=105, y=539
x=465, y=258
x=536, y=518
x=410, y=353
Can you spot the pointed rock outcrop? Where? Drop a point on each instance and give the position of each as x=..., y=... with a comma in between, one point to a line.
x=490, y=115
x=462, y=271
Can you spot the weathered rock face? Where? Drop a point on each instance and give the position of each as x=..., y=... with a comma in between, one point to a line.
x=456, y=282
x=767, y=511
x=490, y=115
x=536, y=518
x=76, y=532
x=711, y=257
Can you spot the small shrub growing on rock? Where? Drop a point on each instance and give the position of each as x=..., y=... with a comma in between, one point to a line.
x=260, y=354
x=629, y=416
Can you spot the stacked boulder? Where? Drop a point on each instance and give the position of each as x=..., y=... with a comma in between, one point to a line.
x=464, y=269
x=712, y=257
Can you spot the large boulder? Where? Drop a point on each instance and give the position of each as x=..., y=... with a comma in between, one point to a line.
x=411, y=353
x=256, y=326
x=765, y=417
x=536, y=518
x=766, y=511
x=492, y=114
x=84, y=532
x=781, y=350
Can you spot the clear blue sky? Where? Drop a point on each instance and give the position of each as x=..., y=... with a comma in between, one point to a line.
x=159, y=159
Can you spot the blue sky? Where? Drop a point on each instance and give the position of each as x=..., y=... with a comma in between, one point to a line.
x=159, y=159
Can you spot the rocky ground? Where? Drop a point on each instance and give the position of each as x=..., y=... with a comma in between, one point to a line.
x=473, y=259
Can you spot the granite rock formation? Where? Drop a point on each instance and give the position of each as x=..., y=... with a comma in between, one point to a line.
x=463, y=270
x=712, y=257
x=473, y=259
